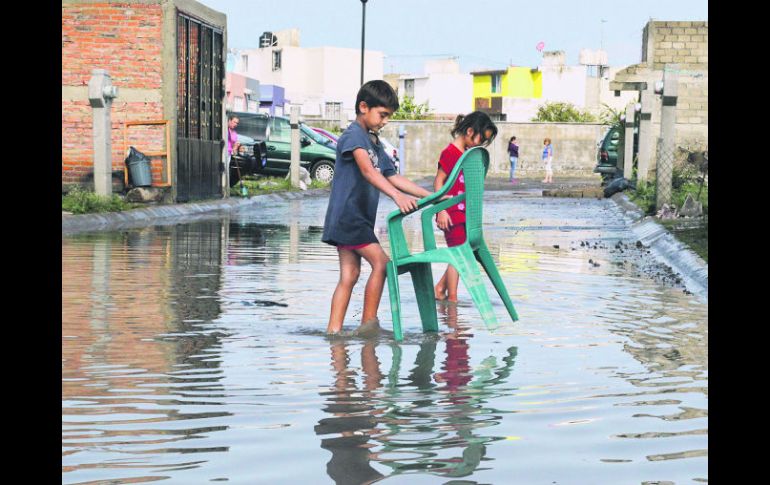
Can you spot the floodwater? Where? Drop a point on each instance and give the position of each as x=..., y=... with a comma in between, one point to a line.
x=194, y=353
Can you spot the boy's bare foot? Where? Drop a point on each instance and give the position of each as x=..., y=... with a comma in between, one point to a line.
x=368, y=328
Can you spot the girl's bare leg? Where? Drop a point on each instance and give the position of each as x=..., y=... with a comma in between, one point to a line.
x=350, y=269
x=440, y=290
x=452, y=281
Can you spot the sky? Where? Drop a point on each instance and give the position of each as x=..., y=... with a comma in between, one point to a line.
x=481, y=34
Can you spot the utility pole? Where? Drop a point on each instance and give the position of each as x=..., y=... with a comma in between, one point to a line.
x=626, y=162
x=101, y=92
x=363, y=31
x=295, y=150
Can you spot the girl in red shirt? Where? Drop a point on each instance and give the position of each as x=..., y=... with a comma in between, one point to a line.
x=469, y=131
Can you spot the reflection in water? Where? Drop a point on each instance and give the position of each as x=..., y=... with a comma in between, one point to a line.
x=123, y=382
x=429, y=423
x=194, y=353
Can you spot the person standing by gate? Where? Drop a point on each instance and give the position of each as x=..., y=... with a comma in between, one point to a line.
x=232, y=136
x=513, y=153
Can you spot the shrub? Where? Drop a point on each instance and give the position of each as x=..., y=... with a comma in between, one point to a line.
x=408, y=110
x=644, y=196
x=559, y=112
x=262, y=185
x=80, y=201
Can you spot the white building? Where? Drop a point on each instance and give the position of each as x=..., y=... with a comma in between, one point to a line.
x=323, y=81
x=585, y=85
x=445, y=89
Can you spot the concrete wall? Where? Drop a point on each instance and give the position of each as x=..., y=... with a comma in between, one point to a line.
x=446, y=90
x=684, y=44
x=607, y=96
x=564, y=84
x=574, y=146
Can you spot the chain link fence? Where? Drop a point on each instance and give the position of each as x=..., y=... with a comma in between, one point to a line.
x=664, y=169
x=679, y=171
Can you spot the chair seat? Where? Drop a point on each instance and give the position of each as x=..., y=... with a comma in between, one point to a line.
x=439, y=255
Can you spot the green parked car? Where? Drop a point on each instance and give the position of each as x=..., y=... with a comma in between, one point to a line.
x=317, y=153
x=607, y=154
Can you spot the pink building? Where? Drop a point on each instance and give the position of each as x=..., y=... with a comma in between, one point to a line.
x=242, y=93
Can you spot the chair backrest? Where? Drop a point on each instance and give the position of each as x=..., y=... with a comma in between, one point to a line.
x=475, y=163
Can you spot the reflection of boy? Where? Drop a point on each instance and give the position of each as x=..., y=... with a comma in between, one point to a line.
x=353, y=419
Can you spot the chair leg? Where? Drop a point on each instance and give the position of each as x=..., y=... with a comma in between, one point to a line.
x=469, y=271
x=395, y=300
x=422, y=278
x=485, y=258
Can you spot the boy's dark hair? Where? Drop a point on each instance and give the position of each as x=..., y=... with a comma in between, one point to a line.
x=479, y=122
x=377, y=93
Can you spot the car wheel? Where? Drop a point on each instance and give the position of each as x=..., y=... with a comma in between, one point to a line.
x=323, y=171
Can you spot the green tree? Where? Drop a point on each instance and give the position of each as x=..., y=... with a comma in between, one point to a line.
x=562, y=112
x=609, y=115
x=409, y=110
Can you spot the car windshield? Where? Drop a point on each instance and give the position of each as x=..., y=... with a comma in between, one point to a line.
x=316, y=137
x=246, y=140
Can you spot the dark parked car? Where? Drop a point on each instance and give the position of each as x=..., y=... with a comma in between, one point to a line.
x=250, y=158
x=317, y=153
x=607, y=154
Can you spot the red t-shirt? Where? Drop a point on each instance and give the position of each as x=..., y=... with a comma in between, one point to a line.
x=447, y=162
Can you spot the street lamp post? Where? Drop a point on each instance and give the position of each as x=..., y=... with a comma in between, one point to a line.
x=363, y=30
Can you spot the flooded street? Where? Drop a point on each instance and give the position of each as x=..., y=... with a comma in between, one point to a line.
x=195, y=353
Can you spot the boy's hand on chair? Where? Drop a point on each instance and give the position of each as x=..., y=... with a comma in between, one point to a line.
x=405, y=203
x=443, y=221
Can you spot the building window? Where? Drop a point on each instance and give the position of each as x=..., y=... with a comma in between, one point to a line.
x=277, y=60
x=409, y=87
x=245, y=62
x=332, y=111
x=496, y=83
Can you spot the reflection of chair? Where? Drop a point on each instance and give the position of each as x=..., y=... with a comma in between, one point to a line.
x=474, y=164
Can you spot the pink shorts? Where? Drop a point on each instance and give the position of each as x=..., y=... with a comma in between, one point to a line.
x=352, y=246
x=455, y=235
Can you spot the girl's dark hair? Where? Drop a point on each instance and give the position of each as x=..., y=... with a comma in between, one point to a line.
x=512, y=138
x=479, y=122
x=377, y=93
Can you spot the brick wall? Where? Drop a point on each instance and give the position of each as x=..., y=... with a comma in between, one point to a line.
x=684, y=44
x=126, y=40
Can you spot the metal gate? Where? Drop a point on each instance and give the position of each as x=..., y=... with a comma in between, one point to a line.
x=200, y=90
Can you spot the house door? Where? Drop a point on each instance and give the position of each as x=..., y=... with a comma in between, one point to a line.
x=200, y=91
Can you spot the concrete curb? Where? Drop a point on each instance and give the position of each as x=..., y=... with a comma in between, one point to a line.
x=171, y=214
x=693, y=269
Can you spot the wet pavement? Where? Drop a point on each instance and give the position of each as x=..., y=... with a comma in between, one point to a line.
x=194, y=352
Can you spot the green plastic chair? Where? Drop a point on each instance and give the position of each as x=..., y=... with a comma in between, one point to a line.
x=474, y=164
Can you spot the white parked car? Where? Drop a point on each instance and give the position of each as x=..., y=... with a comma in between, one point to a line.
x=391, y=151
